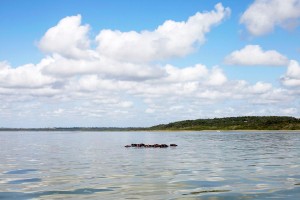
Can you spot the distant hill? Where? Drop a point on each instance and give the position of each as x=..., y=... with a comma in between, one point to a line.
x=234, y=123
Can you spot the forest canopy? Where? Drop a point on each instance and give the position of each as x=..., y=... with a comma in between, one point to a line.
x=235, y=123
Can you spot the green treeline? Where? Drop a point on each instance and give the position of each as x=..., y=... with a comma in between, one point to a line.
x=234, y=123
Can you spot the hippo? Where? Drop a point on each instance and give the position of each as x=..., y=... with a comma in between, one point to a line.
x=163, y=146
x=141, y=145
x=151, y=145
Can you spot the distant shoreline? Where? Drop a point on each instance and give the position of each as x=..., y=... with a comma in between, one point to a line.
x=134, y=130
x=240, y=124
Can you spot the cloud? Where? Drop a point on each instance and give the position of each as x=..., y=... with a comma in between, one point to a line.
x=254, y=55
x=103, y=100
x=68, y=38
x=123, y=55
x=4, y=65
x=171, y=39
x=68, y=67
x=292, y=76
x=198, y=73
x=149, y=111
x=26, y=76
x=261, y=87
x=289, y=111
x=119, y=81
x=217, y=77
x=263, y=15
x=194, y=73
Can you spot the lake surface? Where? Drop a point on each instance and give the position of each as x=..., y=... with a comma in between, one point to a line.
x=96, y=165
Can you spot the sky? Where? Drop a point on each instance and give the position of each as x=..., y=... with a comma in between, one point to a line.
x=137, y=63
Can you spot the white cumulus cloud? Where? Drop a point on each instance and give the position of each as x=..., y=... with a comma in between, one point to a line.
x=194, y=73
x=171, y=39
x=26, y=76
x=68, y=38
x=292, y=76
x=254, y=55
x=109, y=68
x=261, y=87
x=263, y=15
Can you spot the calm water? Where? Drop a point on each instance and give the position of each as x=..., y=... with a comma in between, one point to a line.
x=205, y=165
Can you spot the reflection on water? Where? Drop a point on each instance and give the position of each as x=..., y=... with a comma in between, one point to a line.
x=21, y=181
x=21, y=171
x=205, y=165
x=19, y=195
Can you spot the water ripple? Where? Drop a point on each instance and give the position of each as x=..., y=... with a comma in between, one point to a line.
x=207, y=165
x=23, y=195
x=206, y=191
x=22, y=181
x=21, y=171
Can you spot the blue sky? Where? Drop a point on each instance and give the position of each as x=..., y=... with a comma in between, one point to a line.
x=141, y=63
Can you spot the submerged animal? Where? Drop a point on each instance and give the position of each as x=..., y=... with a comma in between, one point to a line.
x=142, y=145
